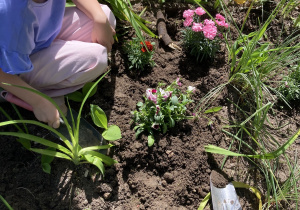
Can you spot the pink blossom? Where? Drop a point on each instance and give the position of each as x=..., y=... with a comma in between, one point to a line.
x=178, y=83
x=200, y=11
x=188, y=22
x=155, y=126
x=188, y=13
x=165, y=94
x=191, y=89
x=222, y=23
x=209, y=22
x=210, y=31
x=286, y=84
x=157, y=109
x=197, y=27
x=150, y=96
x=220, y=17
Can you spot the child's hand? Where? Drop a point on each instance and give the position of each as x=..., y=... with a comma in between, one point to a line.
x=46, y=112
x=103, y=33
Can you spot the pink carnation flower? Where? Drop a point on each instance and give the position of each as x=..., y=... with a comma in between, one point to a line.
x=165, y=94
x=188, y=13
x=150, y=96
x=210, y=31
x=157, y=109
x=191, y=89
x=200, y=11
x=188, y=22
x=209, y=22
x=220, y=20
x=178, y=83
x=197, y=27
x=220, y=17
x=222, y=23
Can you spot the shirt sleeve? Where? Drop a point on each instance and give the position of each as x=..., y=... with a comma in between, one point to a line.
x=14, y=62
x=16, y=38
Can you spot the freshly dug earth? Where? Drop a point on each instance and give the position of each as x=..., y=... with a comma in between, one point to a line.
x=172, y=174
x=218, y=179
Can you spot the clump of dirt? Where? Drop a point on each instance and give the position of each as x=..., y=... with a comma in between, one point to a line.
x=218, y=179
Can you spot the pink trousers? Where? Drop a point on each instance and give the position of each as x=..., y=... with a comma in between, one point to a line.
x=71, y=60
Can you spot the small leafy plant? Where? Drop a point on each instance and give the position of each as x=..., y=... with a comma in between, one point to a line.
x=162, y=108
x=139, y=54
x=70, y=148
x=202, y=38
x=290, y=87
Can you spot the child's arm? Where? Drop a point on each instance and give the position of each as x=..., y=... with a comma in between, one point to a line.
x=43, y=109
x=102, y=32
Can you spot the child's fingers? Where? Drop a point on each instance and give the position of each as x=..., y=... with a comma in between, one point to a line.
x=55, y=124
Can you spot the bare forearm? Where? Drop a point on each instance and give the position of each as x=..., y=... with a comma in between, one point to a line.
x=26, y=95
x=92, y=9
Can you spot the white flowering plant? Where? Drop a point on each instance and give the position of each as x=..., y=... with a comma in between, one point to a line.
x=202, y=38
x=161, y=109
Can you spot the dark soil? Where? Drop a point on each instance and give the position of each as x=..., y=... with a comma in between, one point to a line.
x=173, y=174
x=218, y=179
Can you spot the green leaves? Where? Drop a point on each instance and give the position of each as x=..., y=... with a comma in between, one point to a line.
x=150, y=140
x=271, y=155
x=98, y=116
x=79, y=96
x=161, y=110
x=112, y=133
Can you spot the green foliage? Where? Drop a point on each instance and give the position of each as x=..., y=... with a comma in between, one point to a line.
x=79, y=96
x=202, y=37
x=71, y=150
x=139, y=55
x=5, y=203
x=290, y=85
x=198, y=46
x=161, y=109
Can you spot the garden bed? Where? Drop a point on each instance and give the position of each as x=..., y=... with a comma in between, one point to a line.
x=172, y=174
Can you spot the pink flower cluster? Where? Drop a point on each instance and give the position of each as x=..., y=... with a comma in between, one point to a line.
x=208, y=27
x=150, y=96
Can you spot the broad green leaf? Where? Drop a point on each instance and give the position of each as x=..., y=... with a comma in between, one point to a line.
x=174, y=100
x=165, y=128
x=212, y=110
x=139, y=104
x=51, y=153
x=112, y=133
x=46, y=168
x=172, y=122
x=24, y=142
x=98, y=116
x=138, y=132
x=105, y=159
x=75, y=96
x=96, y=161
x=150, y=140
x=93, y=148
x=87, y=87
x=46, y=160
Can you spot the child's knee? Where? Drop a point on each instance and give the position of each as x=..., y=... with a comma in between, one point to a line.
x=98, y=61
